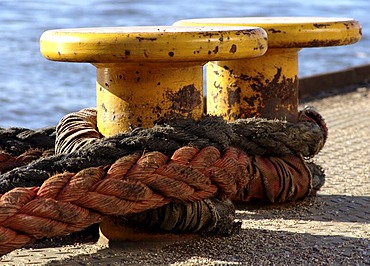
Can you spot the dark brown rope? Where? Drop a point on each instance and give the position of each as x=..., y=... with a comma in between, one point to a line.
x=256, y=136
x=16, y=141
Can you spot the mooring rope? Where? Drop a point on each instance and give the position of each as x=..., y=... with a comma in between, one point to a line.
x=19, y=140
x=255, y=136
x=177, y=162
x=20, y=146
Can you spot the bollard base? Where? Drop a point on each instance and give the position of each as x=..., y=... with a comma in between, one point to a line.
x=116, y=232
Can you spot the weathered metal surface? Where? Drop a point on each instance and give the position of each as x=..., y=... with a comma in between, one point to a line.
x=153, y=44
x=293, y=32
x=268, y=86
x=148, y=73
x=140, y=95
x=262, y=87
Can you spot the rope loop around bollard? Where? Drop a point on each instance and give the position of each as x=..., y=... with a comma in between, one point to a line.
x=256, y=136
x=180, y=166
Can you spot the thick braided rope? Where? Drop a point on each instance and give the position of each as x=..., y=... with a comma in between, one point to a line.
x=20, y=146
x=16, y=141
x=69, y=202
x=9, y=162
x=234, y=182
x=85, y=149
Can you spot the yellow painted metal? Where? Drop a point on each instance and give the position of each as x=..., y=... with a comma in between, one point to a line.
x=151, y=93
x=148, y=73
x=267, y=86
x=293, y=32
x=152, y=44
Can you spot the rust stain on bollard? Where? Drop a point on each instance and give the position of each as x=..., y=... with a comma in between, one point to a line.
x=265, y=97
x=185, y=99
x=279, y=95
x=151, y=92
x=249, y=90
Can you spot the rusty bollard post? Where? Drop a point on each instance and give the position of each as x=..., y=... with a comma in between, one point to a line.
x=148, y=73
x=267, y=86
x=145, y=73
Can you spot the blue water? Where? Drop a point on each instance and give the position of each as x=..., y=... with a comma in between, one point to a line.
x=35, y=92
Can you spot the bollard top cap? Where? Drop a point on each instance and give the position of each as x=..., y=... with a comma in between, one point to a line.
x=293, y=32
x=153, y=44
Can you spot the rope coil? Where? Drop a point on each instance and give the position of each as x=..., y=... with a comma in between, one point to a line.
x=177, y=162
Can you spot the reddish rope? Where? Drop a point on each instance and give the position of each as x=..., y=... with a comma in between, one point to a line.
x=69, y=202
x=9, y=162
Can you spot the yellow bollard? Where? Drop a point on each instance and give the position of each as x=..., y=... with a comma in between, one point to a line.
x=267, y=86
x=147, y=73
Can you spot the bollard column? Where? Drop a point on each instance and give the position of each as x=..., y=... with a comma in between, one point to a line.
x=151, y=93
x=149, y=73
x=268, y=85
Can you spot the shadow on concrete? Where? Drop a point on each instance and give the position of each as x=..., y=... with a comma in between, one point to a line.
x=258, y=246
x=249, y=247
x=336, y=208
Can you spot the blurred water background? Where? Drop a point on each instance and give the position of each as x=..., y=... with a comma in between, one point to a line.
x=35, y=92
